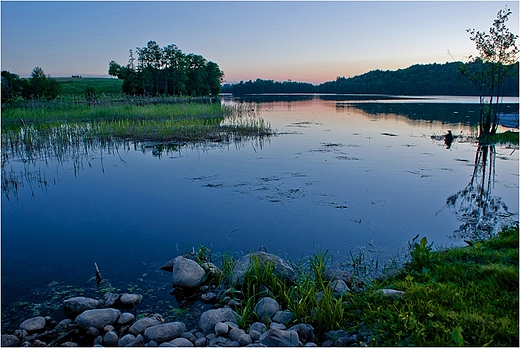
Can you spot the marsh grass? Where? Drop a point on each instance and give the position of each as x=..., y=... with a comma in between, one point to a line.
x=35, y=132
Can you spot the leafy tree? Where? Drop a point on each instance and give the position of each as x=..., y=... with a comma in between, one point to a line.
x=494, y=63
x=12, y=87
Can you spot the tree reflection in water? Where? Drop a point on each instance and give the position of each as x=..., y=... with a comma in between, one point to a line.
x=481, y=213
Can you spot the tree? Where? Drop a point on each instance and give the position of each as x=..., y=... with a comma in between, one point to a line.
x=41, y=86
x=12, y=87
x=497, y=55
x=167, y=71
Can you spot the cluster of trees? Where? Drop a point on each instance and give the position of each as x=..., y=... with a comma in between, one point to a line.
x=38, y=86
x=167, y=71
x=269, y=86
x=420, y=79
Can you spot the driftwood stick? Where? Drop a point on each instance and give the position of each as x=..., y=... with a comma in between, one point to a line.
x=98, y=274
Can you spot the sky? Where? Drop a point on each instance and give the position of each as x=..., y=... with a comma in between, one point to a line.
x=306, y=41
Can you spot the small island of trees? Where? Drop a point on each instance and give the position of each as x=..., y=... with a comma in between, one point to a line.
x=167, y=71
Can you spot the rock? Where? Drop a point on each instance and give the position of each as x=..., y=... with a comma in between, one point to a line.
x=283, y=317
x=277, y=326
x=391, y=293
x=126, y=319
x=340, y=287
x=33, y=324
x=165, y=332
x=110, y=299
x=110, y=339
x=209, y=318
x=208, y=297
x=234, y=334
x=338, y=274
x=244, y=340
x=187, y=273
x=201, y=342
x=282, y=269
x=181, y=342
x=125, y=340
x=77, y=305
x=92, y=331
x=267, y=306
x=130, y=300
x=21, y=334
x=255, y=335
x=144, y=323
x=310, y=344
x=258, y=326
x=110, y=327
x=221, y=329
x=305, y=332
x=9, y=340
x=280, y=338
x=167, y=344
x=98, y=318
x=139, y=341
x=168, y=266
x=211, y=269
x=189, y=336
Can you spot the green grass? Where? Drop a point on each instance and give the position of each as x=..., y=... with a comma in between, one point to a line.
x=461, y=296
x=469, y=293
x=78, y=86
x=501, y=138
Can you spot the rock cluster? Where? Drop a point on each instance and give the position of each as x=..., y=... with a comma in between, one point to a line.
x=109, y=322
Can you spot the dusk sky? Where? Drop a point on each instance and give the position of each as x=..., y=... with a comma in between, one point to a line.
x=302, y=41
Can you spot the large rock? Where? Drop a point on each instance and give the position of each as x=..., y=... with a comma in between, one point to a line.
x=77, y=305
x=280, y=338
x=165, y=332
x=267, y=306
x=282, y=269
x=208, y=319
x=142, y=324
x=187, y=273
x=98, y=318
x=33, y=324
x=10, y=340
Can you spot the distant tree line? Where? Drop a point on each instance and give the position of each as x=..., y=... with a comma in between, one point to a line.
x=38, y=86
x=269, y=86
x=429, y=79
x=167, y=71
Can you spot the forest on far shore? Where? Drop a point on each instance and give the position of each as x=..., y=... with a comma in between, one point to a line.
x=419, y=79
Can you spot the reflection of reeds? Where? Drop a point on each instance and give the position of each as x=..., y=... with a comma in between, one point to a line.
x=42, y=136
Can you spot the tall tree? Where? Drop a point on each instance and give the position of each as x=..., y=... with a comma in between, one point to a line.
x=12, y=87
x=495, y=62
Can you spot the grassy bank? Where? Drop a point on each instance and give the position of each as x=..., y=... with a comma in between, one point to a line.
x=501, y=138
x=462, y=296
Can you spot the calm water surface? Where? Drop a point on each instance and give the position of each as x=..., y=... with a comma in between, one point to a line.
x=340, y=176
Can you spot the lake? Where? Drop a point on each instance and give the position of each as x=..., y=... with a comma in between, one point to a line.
x=344, y=174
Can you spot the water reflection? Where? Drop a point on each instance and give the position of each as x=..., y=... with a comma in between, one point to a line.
x=482, y=214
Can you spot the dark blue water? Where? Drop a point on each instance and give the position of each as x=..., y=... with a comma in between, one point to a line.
x=338, y=176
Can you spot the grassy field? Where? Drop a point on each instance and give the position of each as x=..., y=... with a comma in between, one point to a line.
x=78, y=86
